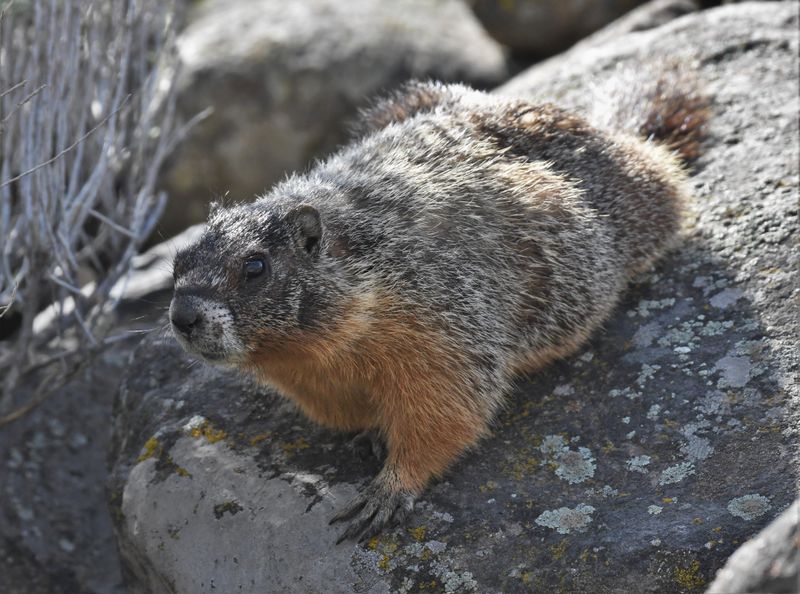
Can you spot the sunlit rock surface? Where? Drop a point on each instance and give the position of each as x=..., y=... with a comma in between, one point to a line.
x=640, y=464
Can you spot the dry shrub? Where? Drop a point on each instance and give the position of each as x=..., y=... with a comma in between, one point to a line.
x=85, y=122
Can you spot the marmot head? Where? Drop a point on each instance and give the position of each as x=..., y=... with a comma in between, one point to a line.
x=252, y=281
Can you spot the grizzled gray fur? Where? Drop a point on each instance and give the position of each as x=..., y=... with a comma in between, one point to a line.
x=399, y=286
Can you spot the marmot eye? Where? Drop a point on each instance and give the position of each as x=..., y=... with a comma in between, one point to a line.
x=254, y=267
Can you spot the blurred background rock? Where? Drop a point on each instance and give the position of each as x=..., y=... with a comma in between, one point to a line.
x=541, y=29
x=282, y=80
x=285, y=78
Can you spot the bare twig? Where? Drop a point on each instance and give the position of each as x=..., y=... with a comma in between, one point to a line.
x=79, y=156
x=21, y=83
x=19, y=104
x=63, y=152
x=46, y=388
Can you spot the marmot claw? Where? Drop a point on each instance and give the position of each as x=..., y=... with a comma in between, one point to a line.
x=373, y=510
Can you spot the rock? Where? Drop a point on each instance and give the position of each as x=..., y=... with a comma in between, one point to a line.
x=647, y=16
x=640, y=464
x=543, y=28
x=285, y=78
x=56, y=535
x=770, y=562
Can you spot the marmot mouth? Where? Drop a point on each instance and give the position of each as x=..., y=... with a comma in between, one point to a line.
x=213, y=357
x=193, y=349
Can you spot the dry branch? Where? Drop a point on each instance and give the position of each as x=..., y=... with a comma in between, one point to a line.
x=85, y=122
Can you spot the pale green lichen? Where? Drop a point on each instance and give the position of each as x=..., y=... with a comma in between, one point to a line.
x=571, y=465
x=726, y=298
x=647, y=372
x=564, y=390
x=609, y=491
x=697, y=448
x=682, y=336
x=443, y=516
x=749, y=507
x=676, y=473
x=644, y=307
x=565, y=520
x=716, y=328
x=654, y=510
x=734, y=372
x=454, y=581
x=575, y=467
x=628, y=392
x=637, y=463
x=553, y=444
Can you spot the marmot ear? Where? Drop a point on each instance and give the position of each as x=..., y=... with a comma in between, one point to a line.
x=305, y=226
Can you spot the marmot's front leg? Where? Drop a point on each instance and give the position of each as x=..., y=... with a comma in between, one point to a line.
x=384, y=501
x=425, y=432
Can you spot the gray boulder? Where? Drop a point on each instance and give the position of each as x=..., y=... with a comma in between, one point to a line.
x=284, y=78
x=770, y=562
x=638, y=465
x=543, y=28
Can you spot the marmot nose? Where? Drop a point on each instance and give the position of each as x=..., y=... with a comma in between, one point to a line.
x=183, y=315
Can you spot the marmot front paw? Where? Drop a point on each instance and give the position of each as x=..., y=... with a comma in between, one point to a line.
x=374, y=509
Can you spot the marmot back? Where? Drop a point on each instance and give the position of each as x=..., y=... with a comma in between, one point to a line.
x=398, y=287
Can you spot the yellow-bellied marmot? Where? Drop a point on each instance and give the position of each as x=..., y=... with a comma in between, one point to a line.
x=398, y=286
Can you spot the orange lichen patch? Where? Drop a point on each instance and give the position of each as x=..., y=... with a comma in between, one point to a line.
x=181, y=471
x=258, y=438
x=293, y=447
x=557, y=551
x=608, y=447
x=152, y=449
x=689, y=578
x=384, y=563
x=207, y=430
x=520, y=468
x=488, y=487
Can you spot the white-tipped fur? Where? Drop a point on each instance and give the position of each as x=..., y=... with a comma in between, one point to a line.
x=215, y=340
x=465, y=238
